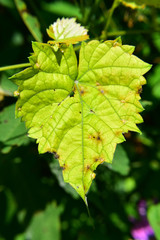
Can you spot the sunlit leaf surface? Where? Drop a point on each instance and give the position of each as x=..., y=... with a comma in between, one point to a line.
x=80, y=114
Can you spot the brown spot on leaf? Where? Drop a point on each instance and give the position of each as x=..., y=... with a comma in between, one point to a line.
x=98, y=138
x=92, y=111
x=95, y=137
x=139, y=91
x=96, y=159
x=63, y=167
x=102, y=90
x=41, y=126
x=123, y=101
x=99, y=159
x=118, y=133
x=82, y=91
x=87, y=167
x=97, y=84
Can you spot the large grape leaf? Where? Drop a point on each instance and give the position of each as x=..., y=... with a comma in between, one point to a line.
x=80, y=114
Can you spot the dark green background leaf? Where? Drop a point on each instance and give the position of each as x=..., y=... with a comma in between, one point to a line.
x=154, y=219
x=13, y=131
x=120, y=161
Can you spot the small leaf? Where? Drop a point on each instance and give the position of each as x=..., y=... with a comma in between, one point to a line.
x=67, y=31
x=30, y=21
x=154, y=219
x=80, y=114
x=132, y=5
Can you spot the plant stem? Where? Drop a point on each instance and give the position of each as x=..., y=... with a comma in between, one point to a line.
x=22, y=65
x=111, y=11
x=82, y=7
x=121, y=33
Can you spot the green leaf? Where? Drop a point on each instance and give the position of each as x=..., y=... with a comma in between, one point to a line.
x=45, y=225
x=30, y=21
x=154, y=3
x=120, y=162
x=56, y=170
x=7, y=3
x=13, y=131
x=7, y=87
x=154, y=82
x=62, y=9
x=81, y=115
x=154, y=219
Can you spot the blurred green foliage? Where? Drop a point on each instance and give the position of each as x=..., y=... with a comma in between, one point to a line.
x=34, y=201
x=154, y=218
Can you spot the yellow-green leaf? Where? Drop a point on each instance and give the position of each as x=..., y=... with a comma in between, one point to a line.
x=80, y=114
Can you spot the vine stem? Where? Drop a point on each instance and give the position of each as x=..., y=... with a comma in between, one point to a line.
x=123, y=32
x=110, y=13
x=22, y=65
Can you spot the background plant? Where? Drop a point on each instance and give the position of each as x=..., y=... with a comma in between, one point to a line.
x=31, y=183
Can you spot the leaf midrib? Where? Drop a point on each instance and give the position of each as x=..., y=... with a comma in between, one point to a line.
x=82, y=128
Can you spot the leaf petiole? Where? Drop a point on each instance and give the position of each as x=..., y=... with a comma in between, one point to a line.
x=21, y=65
